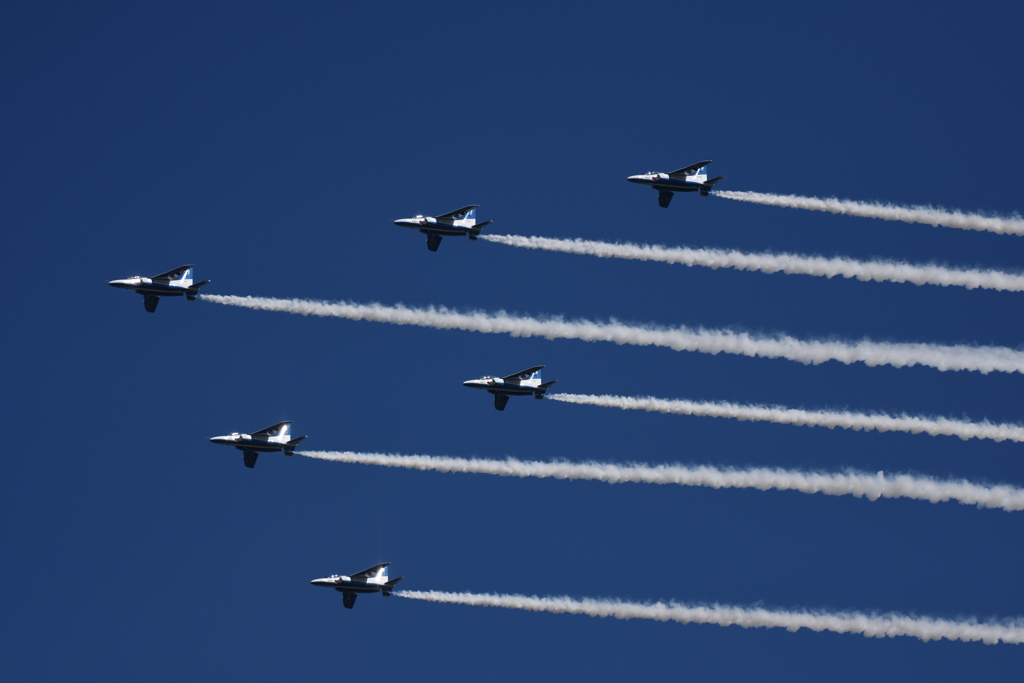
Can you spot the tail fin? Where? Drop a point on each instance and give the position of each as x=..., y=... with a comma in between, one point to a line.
x=193, y=290
x=471, y=216
x=538, y=393
x=185, y=279
x=389, y=586
x=474, y=232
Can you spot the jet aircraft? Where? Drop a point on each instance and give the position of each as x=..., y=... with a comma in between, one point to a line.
x=372, y=580
x=273, y=438
x=520, y=384
x=692, y=178
x=172, y=283
x=459, y=222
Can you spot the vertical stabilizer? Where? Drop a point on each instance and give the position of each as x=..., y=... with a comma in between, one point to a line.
x=184, y=280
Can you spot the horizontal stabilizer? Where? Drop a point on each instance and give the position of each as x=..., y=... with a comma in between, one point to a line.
x=474, y=232
x=705, y=187
x=289, y=447
x=389, y=586
x=539, y=392
x=192, y=291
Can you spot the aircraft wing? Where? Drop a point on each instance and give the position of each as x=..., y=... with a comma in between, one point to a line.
x=458, y=213
x=367, y=573
x=272, y=429
x=150, y=301
x=688, y=170
x=249, y=458
x=523, y=374
x=172, y=274
x=349, y=598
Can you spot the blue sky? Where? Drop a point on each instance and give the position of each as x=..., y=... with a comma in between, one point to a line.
x=274, y=145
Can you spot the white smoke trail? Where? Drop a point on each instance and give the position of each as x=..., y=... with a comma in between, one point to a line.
x=793, y=264
x=858, y=484
x=982, y=359
x=929, y=215
x=872, y=625
x=881, y=422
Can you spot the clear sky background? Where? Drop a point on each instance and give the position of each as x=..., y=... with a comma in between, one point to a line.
x=273, y=146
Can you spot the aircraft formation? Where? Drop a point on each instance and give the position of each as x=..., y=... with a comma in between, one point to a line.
x=277, y=437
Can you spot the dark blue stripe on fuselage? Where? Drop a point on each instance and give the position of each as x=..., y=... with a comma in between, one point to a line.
x=518, y=391
x=676, y=186
x=261, y=446
x=510, y=389
x=357, y=587
x=158, y=290
x=436, y=228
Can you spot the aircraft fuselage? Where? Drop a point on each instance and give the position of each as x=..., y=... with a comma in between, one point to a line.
x=147, y=286
x=428, y=225
x=244, y=442
x=347, y=585
x=666, y=184
x=497, y=385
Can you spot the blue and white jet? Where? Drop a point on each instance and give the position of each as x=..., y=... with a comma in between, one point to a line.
x=172, y=283
x=692, y=178
x=372, y=580
x=521, y=383
x=274, y=438
x=459, y=222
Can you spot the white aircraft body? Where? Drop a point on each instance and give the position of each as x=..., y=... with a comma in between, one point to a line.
x=372, y=580
x=692, y=178
x=172, y=283
x=520, y=384
x=459, y=222
x=273, y=438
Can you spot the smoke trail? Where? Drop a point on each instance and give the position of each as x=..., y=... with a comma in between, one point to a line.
x=982, y=359
x=859, y=484
x=869, y=625
x=1012, y=225
x=881, y=422
x=793, y=264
